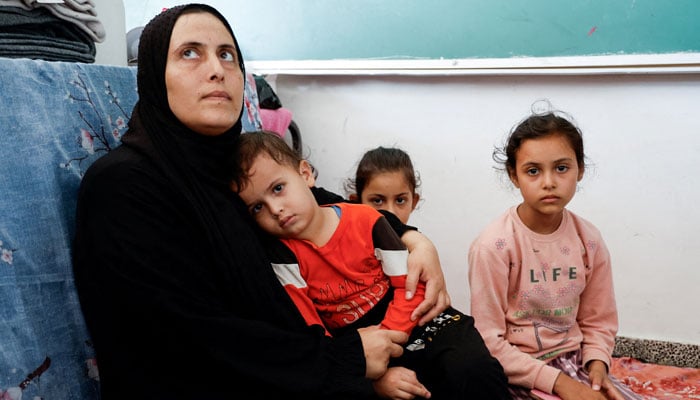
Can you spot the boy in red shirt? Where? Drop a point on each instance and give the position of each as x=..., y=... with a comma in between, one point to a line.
x=347, y=269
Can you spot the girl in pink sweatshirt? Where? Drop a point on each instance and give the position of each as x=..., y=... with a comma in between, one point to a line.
x=540, y=275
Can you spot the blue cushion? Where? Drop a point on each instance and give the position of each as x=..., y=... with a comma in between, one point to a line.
x=56, y=119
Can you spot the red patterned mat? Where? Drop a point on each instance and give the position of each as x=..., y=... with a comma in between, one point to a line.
x=657, y=382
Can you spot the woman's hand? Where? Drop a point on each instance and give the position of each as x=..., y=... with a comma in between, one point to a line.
x=400, y=383
x=424, y=266
x=379, y=346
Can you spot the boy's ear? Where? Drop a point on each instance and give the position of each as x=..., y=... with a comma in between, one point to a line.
x=353, y=198
x=307, y=173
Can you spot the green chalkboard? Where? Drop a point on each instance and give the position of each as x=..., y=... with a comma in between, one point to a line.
x=461, y=29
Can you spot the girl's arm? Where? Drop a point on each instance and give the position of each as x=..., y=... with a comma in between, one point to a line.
x=488, y=282
x=597, y=315
x=424, y=266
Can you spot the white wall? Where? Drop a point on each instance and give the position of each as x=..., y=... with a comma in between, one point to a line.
x=641, y=132
x=112, y=50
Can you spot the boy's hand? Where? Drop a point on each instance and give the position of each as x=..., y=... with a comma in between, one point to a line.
x=400, y=383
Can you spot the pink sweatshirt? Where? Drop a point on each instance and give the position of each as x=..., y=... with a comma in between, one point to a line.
x=536, y=296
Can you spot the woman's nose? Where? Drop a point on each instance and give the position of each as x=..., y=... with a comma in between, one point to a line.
x=217, y=70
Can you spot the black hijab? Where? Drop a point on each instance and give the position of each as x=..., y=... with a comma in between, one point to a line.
x=199, y=168
x=155, y=130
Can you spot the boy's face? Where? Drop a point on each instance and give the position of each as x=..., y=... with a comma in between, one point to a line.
x=278, y=196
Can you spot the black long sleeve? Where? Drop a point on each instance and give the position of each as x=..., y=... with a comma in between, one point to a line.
x=170, y=320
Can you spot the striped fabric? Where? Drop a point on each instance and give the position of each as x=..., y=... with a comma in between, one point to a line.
x=570, y=364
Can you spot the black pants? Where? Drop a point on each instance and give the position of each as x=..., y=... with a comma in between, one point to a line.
x=451, y=360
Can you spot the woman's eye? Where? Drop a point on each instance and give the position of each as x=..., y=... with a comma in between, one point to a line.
x=228, y=56
x=189, y=54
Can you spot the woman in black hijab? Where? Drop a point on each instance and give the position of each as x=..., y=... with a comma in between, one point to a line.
x=177, y=293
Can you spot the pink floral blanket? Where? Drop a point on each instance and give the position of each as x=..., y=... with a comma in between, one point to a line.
x=657, y=382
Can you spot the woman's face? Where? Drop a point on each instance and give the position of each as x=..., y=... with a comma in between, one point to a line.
x=202, y=75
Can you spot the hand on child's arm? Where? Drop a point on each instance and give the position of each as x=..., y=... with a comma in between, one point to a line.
x=400, y=383
x=379, y=346
x=569, y=389
x=424, y=266
x=598, y=374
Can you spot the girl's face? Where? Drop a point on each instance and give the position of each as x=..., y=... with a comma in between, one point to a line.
x=202, y=75
x=390, y=191
x=546, y=172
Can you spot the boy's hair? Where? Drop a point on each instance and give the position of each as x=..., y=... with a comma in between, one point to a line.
x=251, y=145
x=380, y=160
x=539, y=126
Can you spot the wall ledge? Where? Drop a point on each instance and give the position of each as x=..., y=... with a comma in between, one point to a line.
x=673, y=63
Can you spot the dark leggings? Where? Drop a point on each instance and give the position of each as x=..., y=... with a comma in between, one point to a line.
x=452, y=361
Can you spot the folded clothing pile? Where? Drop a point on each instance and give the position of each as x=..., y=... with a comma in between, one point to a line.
x=65, y=31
